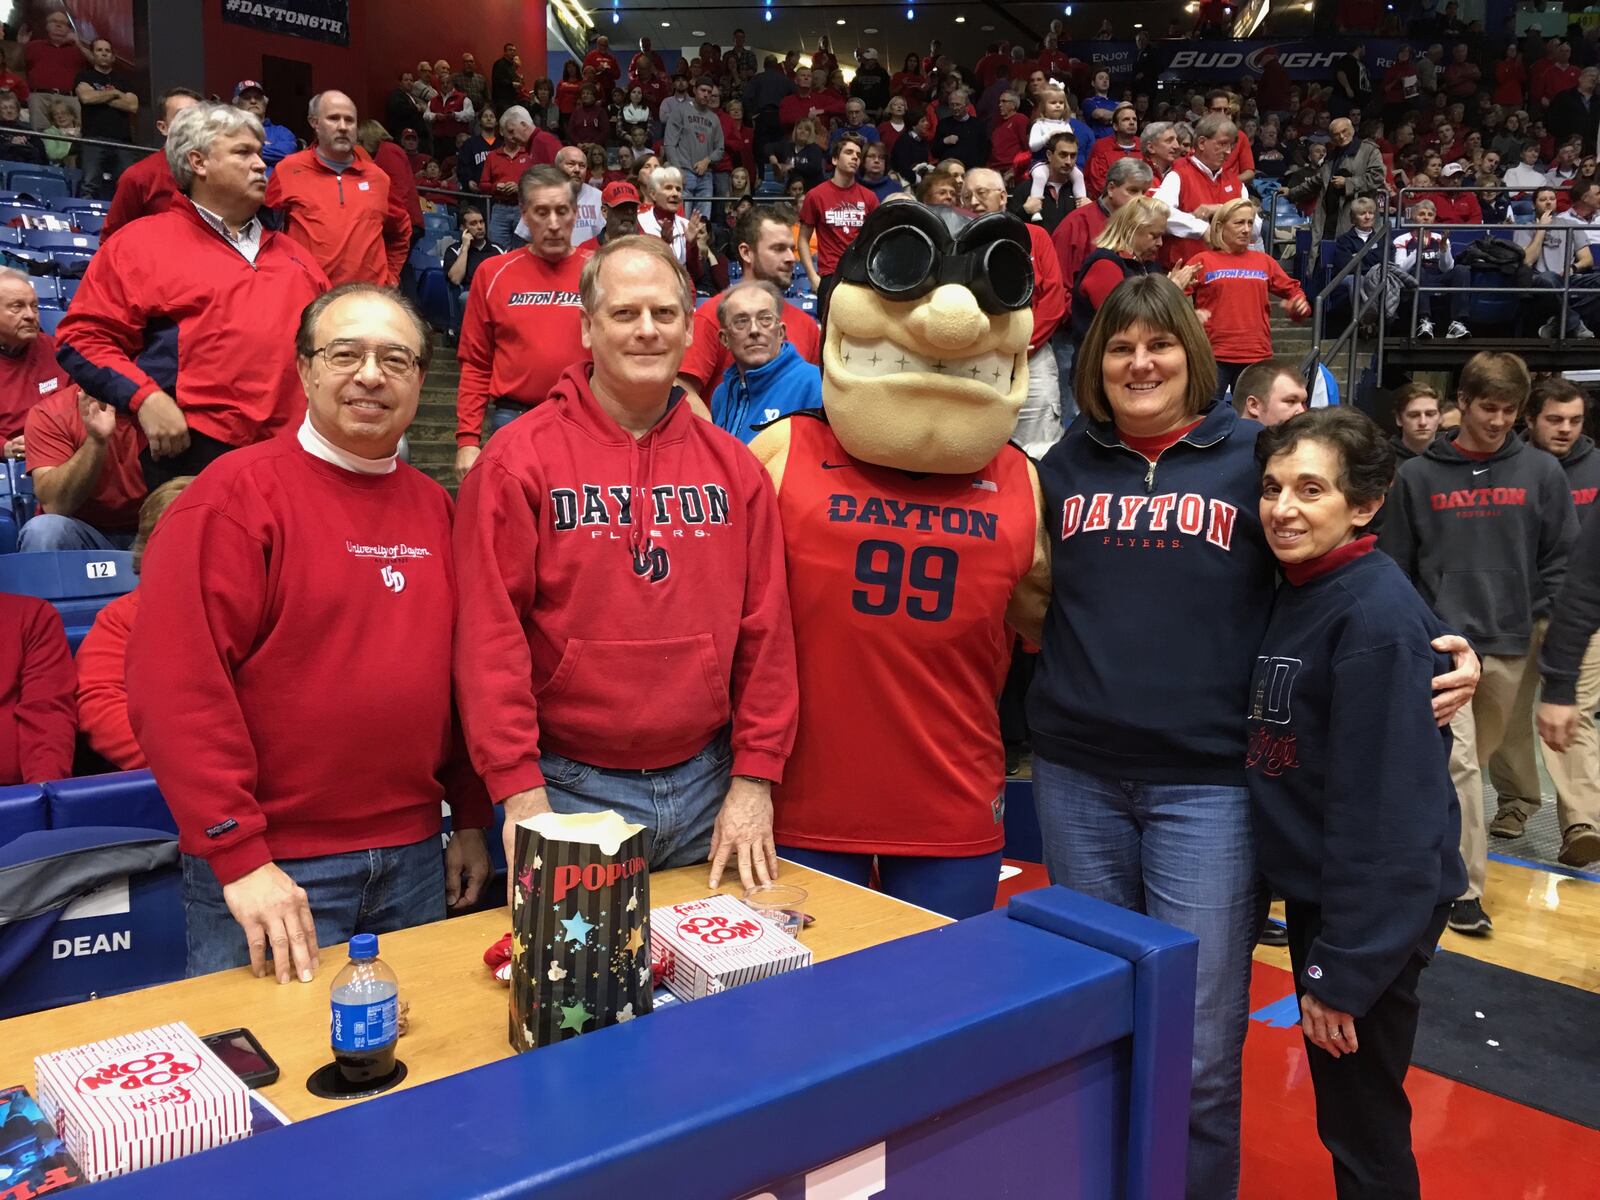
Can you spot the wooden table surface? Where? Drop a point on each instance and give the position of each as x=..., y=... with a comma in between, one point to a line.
x=457, y=1008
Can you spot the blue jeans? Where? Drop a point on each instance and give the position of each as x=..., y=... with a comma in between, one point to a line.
x=47, y=531
x=677, y=805
x=501, y=415
x=503, y=220
x=698, y=189
x=364, y=891
x=956, y=887
x=1183, y=854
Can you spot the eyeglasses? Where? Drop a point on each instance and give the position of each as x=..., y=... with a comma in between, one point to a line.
x=346, y=357
x=762, y=320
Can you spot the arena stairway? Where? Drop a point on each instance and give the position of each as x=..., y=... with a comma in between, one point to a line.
x=432, y=436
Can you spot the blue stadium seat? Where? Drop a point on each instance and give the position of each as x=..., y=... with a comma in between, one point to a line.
x=11, y=209
x=71, y=259
x=45, y=287
x=438, y=224
x=67, y=289
x=424, y=259
x=17, y=501
x=88, y=221
x=77, y=204
x=10, y=235
x=52, y=239
x=436, y=299
x=40, y=183
x=79, y=583
x=123, y=798
x=1502, y=306
x=22, y=810
x=49, y=318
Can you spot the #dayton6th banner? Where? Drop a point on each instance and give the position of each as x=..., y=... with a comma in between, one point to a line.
x=321, y=20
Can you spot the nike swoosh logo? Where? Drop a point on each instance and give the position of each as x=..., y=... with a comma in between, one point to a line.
x=828, y=466
x=1479, y=470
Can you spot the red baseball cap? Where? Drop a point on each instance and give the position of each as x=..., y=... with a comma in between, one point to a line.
x=619, y=192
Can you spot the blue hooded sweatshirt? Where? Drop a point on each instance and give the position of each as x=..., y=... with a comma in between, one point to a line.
x=1163, y=583
x=746, y=400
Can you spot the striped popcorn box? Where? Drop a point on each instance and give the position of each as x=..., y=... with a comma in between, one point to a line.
x=140, y=1099
x=711, y=945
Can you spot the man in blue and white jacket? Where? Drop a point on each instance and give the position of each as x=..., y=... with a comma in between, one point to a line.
x=769, y=379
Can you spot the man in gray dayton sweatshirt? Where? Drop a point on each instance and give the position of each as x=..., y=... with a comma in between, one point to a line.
x=1482, y=523
x=692, y=142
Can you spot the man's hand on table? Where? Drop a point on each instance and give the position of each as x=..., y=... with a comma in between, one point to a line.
x=744, y=833
x=272, y=909
x=466, y=867
x=519, y=807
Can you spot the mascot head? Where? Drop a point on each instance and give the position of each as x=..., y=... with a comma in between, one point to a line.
x=925, y=338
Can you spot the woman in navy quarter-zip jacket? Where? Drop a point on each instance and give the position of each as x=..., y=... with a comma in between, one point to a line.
x=1163, y=584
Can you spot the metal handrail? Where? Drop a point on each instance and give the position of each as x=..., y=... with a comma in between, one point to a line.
x=1566, y=262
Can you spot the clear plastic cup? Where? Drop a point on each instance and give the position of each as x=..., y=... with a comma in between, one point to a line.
x=780, y=903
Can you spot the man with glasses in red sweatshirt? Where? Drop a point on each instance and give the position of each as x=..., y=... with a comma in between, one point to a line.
x=624, y=639
x=315, y=566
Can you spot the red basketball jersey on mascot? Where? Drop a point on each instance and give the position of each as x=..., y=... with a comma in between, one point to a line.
x=898, y=584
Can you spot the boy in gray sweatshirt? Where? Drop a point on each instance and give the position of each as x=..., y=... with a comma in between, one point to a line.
x=1483, y=523
x=692, y=142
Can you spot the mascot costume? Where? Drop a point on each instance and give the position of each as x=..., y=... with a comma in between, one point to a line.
x=913, y=534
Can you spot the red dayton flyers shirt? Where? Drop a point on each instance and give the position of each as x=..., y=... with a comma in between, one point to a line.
x=898, y=749
x=521, y=330
x=836, y=214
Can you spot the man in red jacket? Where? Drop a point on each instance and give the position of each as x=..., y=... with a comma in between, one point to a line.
x=520, y=330
x=147, y=186
x=181, y=324
x=1197, y=186
x=337, y=203
x=624, y=638
x=304, y=823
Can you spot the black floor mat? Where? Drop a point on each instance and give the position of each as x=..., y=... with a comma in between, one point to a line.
x=1515, y=1035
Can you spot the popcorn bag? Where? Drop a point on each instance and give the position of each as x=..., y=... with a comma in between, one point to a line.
x=580, y=927
x=707, y=946
x=140, y=1099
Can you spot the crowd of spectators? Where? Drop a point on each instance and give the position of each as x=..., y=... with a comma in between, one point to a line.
x=637, y=253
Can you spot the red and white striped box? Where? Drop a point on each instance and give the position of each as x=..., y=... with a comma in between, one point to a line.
x=141, y=1099
x=709, y=945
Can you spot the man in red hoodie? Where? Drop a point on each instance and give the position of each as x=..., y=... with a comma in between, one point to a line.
x=318, y=567
x=624, y=638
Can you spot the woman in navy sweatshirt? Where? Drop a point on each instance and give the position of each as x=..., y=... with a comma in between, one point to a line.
x=1355, y=816
x=1162, y=583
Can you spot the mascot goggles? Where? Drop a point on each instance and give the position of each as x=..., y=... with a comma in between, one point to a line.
x=905, y=261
